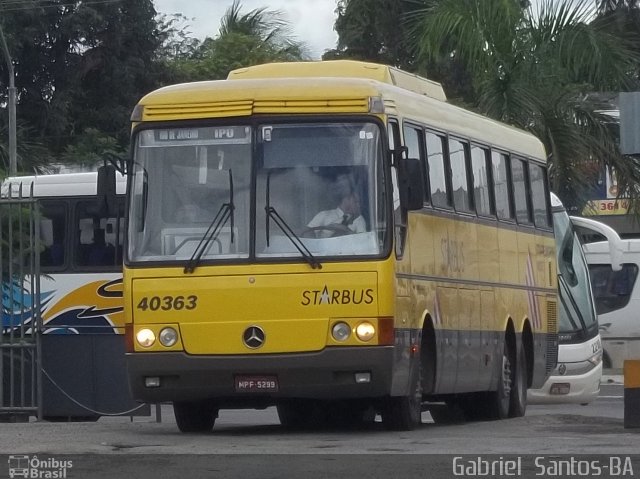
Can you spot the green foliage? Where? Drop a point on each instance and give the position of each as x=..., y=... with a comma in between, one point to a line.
x=372, y=30
x=382, y=31
x=92, y=148
x=258, y=36
x=32, y=155
x=81, y=65
x=540, y=70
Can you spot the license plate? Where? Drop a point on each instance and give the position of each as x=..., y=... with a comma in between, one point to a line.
x=256, y=384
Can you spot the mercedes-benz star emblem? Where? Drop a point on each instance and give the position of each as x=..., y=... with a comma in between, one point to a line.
x=253, y=337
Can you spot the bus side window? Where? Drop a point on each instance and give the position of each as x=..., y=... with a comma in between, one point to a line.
x=53, y=227
x=99, y=238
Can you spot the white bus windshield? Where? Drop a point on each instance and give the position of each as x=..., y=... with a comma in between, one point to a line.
x=577, y=313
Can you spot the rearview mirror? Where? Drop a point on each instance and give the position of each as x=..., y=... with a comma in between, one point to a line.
x=411, y=184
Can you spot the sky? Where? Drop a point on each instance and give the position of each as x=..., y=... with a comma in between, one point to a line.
x=311, y=20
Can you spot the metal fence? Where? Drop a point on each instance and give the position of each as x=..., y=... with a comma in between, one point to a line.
x=20, y=345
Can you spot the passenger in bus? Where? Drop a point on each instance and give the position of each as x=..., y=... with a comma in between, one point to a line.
x=54, y=254
x=346, y=218
x=100, y=252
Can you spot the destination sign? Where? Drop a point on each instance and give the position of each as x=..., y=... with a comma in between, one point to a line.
x=196, y=136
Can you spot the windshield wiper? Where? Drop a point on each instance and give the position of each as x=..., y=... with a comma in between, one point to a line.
x=294, y=238
x=213, y=231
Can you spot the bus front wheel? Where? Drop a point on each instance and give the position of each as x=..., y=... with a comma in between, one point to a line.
x=404, y=413
x=195, y=416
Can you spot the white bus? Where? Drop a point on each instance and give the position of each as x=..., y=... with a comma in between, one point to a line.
x=80, y=293
x=576, y=378
x=617, y=298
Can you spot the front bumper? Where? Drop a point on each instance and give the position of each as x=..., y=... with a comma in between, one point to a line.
x=327, y=374
x=583, y=389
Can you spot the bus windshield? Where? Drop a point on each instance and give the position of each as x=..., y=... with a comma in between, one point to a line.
x=577, y=314
x=313, y=189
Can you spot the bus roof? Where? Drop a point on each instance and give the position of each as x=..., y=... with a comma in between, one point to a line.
x=64, y=184
x=343, y=69
x=331, y=87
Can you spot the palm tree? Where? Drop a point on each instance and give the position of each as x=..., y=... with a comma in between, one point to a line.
x=268, y=26
x=541, y=69
x=33, y=156
x=260, y=36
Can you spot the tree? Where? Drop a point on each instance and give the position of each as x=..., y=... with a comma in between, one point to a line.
x=371, y=30
x=539, y=70
x=380, y=31
x=81, y=65
x=258, y=36
x=32, y=155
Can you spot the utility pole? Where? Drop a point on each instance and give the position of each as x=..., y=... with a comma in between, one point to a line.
x=13, y=157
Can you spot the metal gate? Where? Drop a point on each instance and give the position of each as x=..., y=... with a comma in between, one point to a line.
x=20, y=346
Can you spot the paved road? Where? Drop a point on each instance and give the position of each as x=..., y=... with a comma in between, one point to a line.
x=252, y=443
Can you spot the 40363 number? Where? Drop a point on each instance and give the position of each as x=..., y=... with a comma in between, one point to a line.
x=168, y=303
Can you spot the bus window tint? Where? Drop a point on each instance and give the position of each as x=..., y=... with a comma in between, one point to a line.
x=501, y=185
x=414, y=150
x=412, y=142
x=437, y=177
x=53, y=226
x=314, y=177
x=459, y=182
x=539, y=196
x=612, y=289
x=577, y=312
x=99, y=237
x=480, y=180
x=518, y=174
x=196, y=176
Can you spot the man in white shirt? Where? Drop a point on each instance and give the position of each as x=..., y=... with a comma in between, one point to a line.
x=344, y=219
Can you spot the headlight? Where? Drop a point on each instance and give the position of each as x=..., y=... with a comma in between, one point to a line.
x=168, y=337
x=341, y=331
x=596, y=358
x=365, y=331
x=145, y=338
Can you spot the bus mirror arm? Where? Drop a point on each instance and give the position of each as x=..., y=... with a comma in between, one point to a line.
x=410, y=184
x=398, y=154
x=616, y=245
x=106, y=190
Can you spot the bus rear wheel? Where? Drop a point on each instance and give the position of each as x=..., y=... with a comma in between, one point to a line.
x=518, y=396
x=500, y=399
x=195, y=416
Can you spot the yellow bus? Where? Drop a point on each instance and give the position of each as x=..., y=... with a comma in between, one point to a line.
x=335, y=239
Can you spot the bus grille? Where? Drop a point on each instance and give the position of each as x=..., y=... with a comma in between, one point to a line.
x=552, y=336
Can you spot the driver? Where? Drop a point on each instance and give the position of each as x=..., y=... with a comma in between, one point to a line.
x=346, y=217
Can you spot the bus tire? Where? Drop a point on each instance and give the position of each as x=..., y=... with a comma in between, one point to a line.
x=498, y=401
x=518, y=396
x=404, y=413
x=447, y=413
x=293, y=414
x=195, y=416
